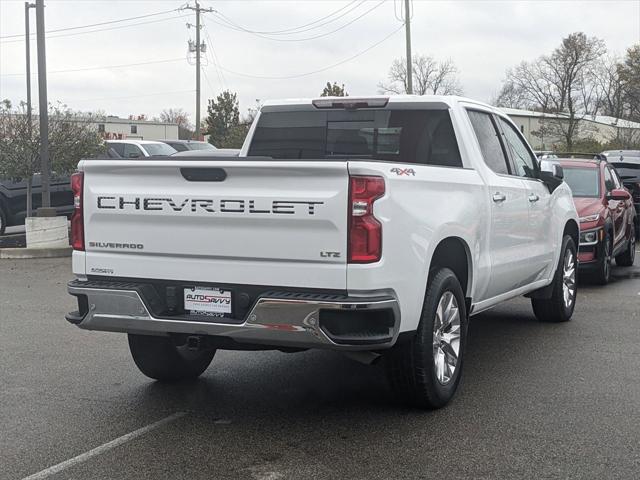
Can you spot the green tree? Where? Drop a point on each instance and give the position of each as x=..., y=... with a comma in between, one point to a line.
x=72, y=136
x=334, y=90
x=223, y=124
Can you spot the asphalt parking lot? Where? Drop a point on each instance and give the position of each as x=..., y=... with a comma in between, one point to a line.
x=536, y=401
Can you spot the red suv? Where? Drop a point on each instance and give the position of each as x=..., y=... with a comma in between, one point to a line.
x=607, y=216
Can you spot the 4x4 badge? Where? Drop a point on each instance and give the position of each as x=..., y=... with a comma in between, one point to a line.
x=403, y=171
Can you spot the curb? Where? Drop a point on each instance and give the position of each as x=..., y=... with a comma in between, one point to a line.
x=16, y=253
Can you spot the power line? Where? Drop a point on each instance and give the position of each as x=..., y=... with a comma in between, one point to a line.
x=215, y=61
x=242, y=29
x=105, y=67
x=302, y=28
x=285, y=77
x=135, y=96
x=97, y=24
x=102, y=29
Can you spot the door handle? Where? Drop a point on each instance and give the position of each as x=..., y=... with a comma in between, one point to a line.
x=533, y=197
x=499, y=197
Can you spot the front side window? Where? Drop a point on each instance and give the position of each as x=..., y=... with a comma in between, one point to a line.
x=117, y=147
x=584, y=182
x=489, y=141
x=524, y=160
x=616, y=178
x=132, y=151
x=609, y=184
x=407, y=136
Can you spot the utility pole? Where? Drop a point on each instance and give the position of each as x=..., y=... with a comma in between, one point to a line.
x=407, y=25
x=198, y=48
x=44, y=113
x=27, y=38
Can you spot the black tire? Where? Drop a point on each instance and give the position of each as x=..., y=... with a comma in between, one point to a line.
x=411, y=365
x=3, y=219
x=159, y=358
x=555, y=309
x=602, y=275
x=627, y=258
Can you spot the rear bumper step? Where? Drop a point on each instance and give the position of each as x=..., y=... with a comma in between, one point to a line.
x=278, y=319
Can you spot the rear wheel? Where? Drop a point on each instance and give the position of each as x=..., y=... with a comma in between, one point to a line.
x=161, y=359
x=425, y=372
x=559, y=307
x=627, y=258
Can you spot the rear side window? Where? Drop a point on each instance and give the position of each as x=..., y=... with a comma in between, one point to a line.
x=489, y=140
x=407, y=136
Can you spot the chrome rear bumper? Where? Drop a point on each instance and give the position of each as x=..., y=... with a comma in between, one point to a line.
x=277, y=322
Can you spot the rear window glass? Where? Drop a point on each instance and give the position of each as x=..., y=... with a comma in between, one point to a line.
x=406, y=136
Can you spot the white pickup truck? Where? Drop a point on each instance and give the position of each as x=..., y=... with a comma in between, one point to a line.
x=373, y=226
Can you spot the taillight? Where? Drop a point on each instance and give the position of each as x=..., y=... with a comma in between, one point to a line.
x=365, y=231
x=77, y=221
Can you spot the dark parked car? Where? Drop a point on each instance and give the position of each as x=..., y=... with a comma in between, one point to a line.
x=627, y=164
x=607, y=216
x=187, y=145
x=13, y=199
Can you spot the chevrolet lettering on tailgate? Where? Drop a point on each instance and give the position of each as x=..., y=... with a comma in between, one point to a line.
x=209, y=205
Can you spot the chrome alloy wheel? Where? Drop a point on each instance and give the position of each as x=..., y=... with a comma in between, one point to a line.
x=569, y=278
x=446, y=337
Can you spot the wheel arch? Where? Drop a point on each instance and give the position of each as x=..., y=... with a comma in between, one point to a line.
x=571, y=228
x=453, y=252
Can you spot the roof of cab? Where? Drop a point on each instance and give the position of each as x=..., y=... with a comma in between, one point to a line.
x=136, y=142
x=582, y=163
x=448, y=100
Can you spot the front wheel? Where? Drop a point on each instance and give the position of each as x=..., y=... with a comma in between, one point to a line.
x=627, y=258
x=559, y=307
x=161, y=359
x=603, y=274
x=3, y=220
x=425, y=371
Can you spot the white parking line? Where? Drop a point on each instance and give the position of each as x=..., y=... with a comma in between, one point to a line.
x=83, y=457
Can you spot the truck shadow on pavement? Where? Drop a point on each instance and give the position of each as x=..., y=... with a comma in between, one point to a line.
x=322, y=382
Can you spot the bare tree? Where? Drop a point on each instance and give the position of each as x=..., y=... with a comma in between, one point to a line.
x=179, y=117
x=630, y=75
x=430, y=77
x=562, y=83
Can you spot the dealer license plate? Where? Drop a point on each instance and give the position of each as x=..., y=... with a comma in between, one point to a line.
x=207, y=301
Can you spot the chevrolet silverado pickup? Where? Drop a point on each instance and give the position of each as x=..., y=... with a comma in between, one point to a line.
x=372, y=226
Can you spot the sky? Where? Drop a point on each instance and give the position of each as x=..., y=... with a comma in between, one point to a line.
x=354, y=45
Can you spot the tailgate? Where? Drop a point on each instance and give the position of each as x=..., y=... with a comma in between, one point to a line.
x=279, y=223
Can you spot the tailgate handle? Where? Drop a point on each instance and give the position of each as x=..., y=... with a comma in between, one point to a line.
x=203, y=174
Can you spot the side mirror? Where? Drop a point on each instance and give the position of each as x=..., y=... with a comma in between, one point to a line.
x=618, y=194
x=551, y=174
x=555, y=169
